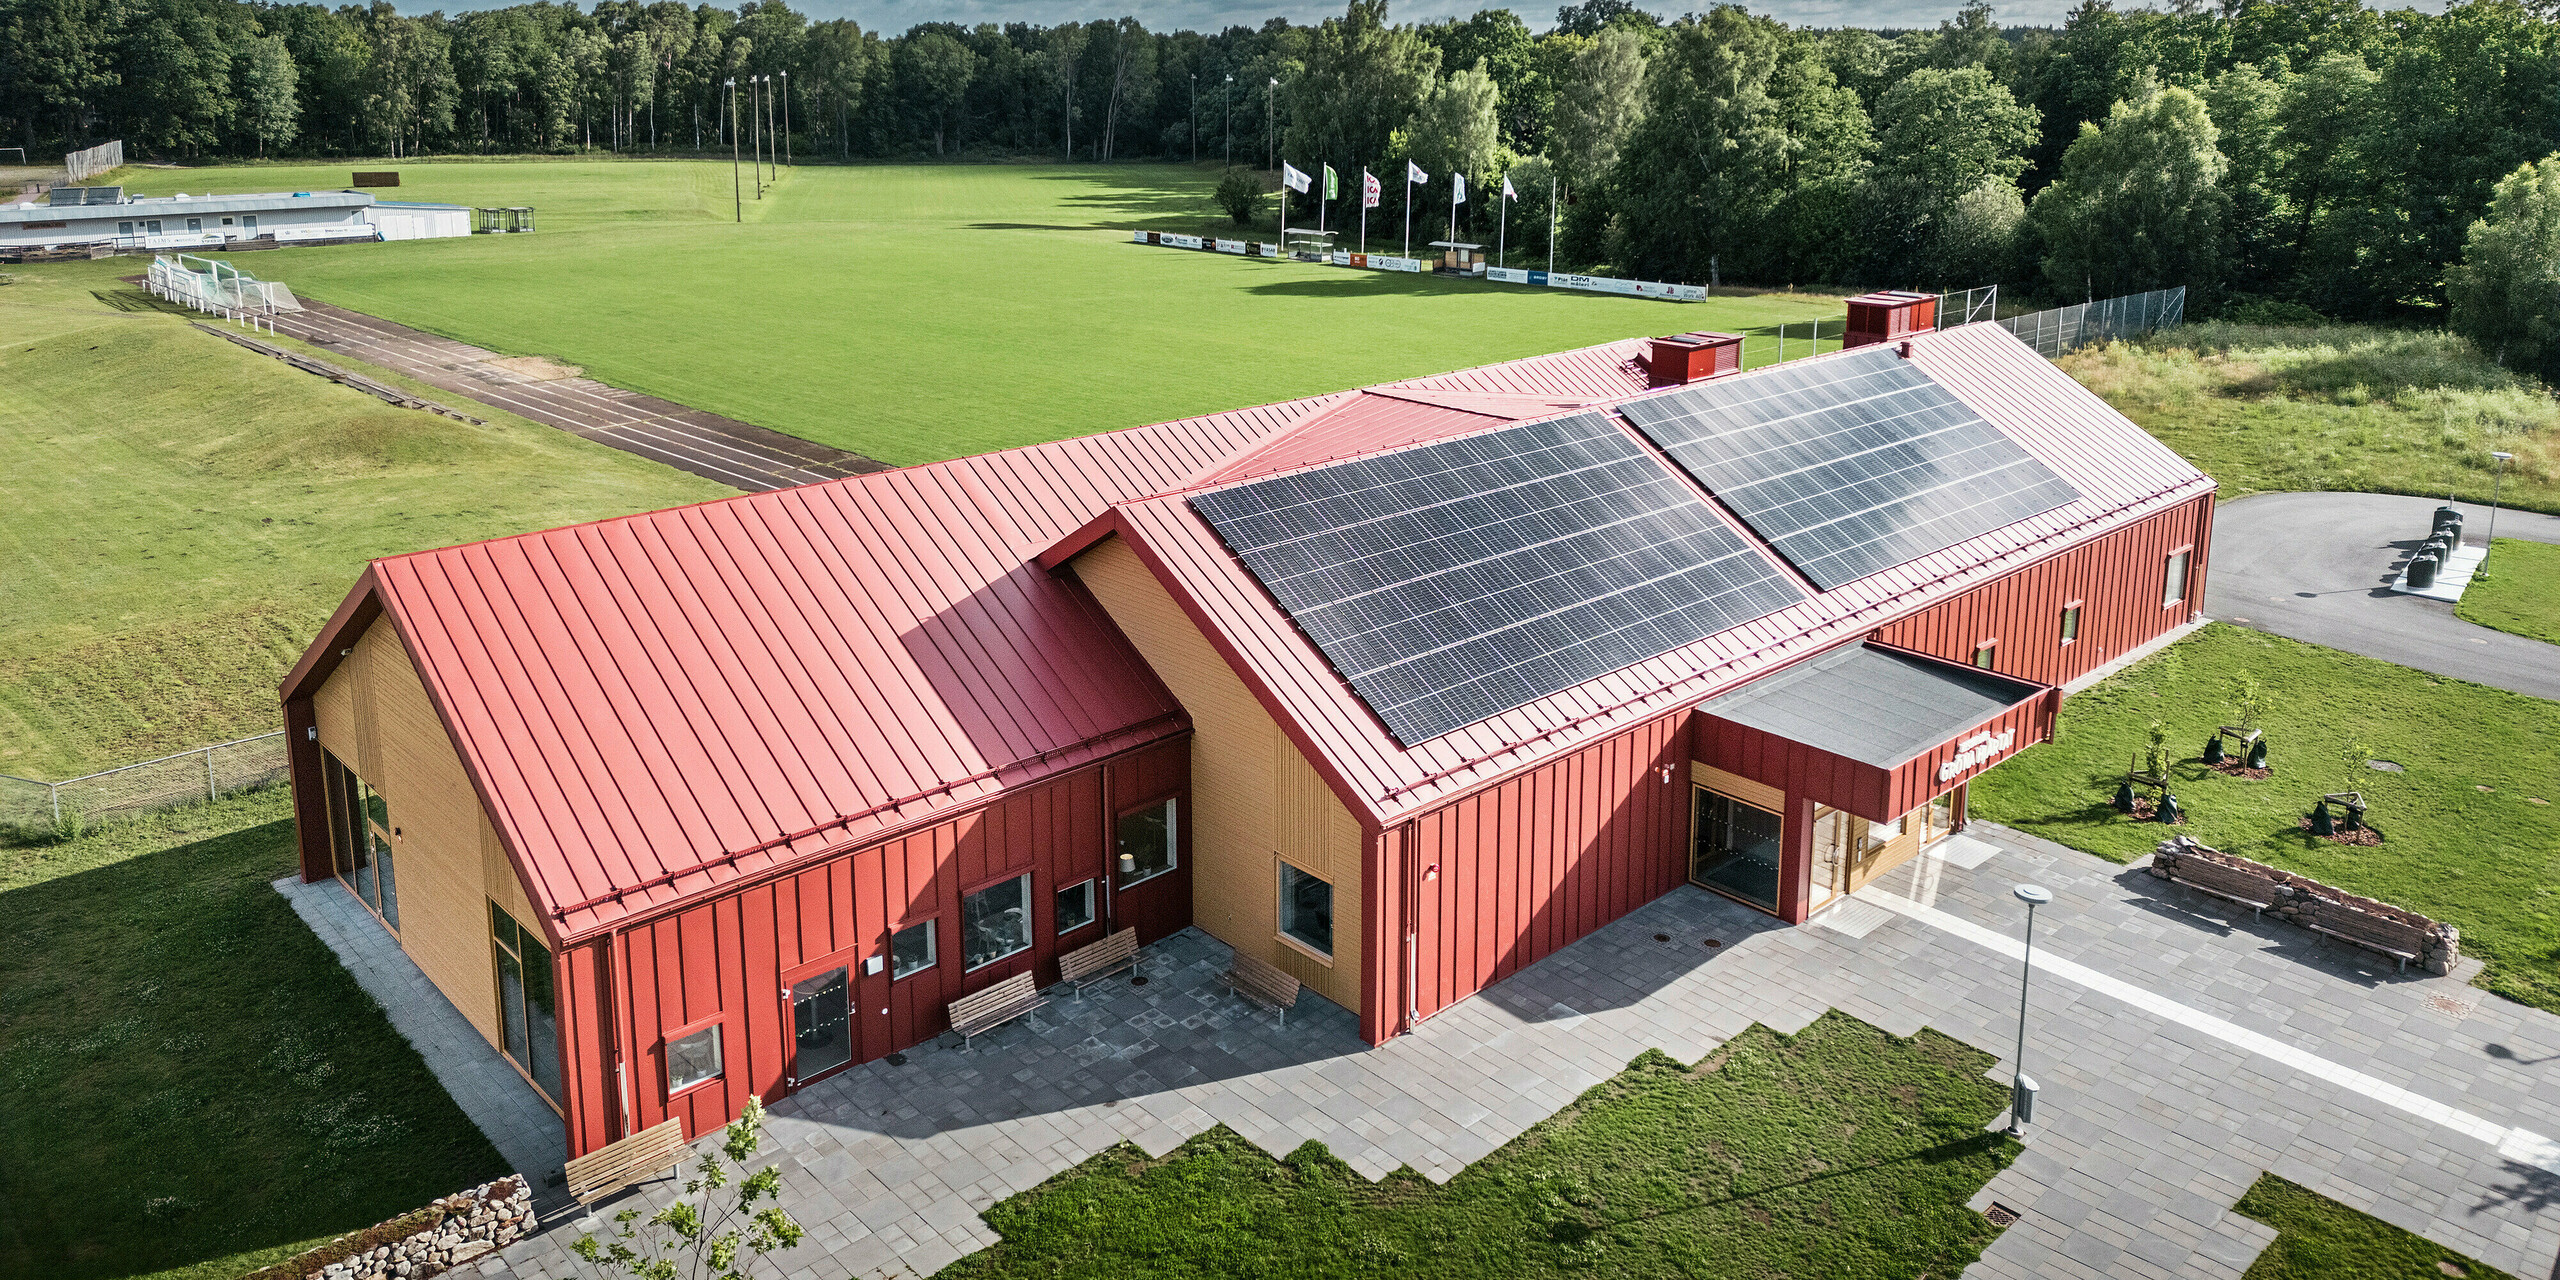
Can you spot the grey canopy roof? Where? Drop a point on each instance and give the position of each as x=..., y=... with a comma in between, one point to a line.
x=1872, y=705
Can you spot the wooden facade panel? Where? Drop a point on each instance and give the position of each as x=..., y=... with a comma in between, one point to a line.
x=1259, y=799
x=1758, y=794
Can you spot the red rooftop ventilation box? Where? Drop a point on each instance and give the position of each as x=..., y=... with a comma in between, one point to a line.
x=1684, y=358
x=1888, y=315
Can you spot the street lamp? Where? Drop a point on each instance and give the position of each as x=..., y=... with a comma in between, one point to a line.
x=2022, y=1088
x=1227, y=97
x=737, y=194
x=755, y=116
x=2495, y=484
x=1271, y=125
x=786, y=117
x=1192, y=125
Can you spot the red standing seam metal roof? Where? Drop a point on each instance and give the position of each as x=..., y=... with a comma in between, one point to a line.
x=2122, y=473
x=657, y=706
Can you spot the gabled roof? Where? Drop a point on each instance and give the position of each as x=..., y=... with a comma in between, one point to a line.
x=2123, y=475
x=655, y=707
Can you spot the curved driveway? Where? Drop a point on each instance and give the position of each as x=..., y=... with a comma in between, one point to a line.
x=2318, y=567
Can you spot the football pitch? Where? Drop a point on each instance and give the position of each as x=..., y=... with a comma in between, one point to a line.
x=915, y=312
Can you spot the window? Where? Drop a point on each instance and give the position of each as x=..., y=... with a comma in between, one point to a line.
x=249, y=222
x=1306, y=909
x=1737, y=849
x=821, y=1024
x=226, y=222
x=1146, y=843
x=526, y=1013
x=995, y=922
x=151, y=227
x=2173, y=580
x=2071, y=622
x=911, y=950
x=1075, y=907
x=195, y=224
x=693, y=1059
x=124, y=228
x=360, y=836
x=1982, y=653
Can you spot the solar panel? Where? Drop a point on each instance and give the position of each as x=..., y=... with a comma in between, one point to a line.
x=1849, y=465
x=1455, y=581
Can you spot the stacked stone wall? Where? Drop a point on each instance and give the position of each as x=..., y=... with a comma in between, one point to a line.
x=2301, y=900
x=427, y=1242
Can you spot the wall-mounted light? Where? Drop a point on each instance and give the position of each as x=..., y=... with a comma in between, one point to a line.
x=1431, y=872
x=1666, y=775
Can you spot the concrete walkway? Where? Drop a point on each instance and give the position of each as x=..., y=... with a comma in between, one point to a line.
x=524, y=1128
x=2183, y=1050
x=2319, y=567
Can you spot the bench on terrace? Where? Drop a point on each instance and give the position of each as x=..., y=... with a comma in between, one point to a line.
x=1262, y=983
x=975, y=1015
x=2401, y=942
x=1094, y=961
x=626, y=1161
x=2252, y=889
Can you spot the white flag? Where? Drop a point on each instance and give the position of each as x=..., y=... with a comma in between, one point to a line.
x=1292, y=178
x=1508, y=193
x=1457, y=188
x=1413, y=173
x=1368, y=190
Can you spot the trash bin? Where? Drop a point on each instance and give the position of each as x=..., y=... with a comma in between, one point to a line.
x=2422, y=571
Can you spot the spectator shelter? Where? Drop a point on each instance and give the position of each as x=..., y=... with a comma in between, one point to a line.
x=1394, y=690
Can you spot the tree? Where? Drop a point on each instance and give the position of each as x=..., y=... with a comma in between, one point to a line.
x=696, y=1238
x=1591, y=17
x=1363, y=79
x=1941, y=136
x=2244, y=106
x=1457, y=129
x=933, y=74
x=1240, y=193
x=1502, y=42
x=2139, y=203
x=267, y=104
x=1599, y=103
x=2506, y=291
x=1697, y=178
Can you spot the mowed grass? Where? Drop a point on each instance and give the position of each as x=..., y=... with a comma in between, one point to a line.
x=2519, y=593
x=1839, y=1151
x=919, y=312
x=191, y=1085
x=183, y=514
x=2471, y=827
x=2321, y=1239
x=2340, y=407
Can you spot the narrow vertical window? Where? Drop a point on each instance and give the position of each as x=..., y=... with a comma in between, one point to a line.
x=1075, y=907
x=911, y=950
x=528, y=1016
x=1982, y=653
x=2071, y=622
x=1147, y=843
x=1306, y=910
x=2173, y=580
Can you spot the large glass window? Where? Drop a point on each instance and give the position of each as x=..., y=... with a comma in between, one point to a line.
x=821, y=1024
x=1146, y=843
x=1306, y=909
x=1737, y=849
x=528, y=1016
x=1075, y=906
x=911, y=950
x=360, y=833
x=693, y=1059
x=2173, y=580
x=995, y=922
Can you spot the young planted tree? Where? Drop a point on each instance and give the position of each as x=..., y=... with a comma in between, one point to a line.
x=703, y=1235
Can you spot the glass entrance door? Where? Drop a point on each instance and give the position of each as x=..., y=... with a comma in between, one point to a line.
x=1736, y=849
x=821, y=1023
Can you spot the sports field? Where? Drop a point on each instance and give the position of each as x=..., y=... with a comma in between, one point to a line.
x=925, y=311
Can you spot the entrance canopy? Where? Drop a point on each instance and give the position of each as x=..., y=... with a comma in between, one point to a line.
x=1874, y=730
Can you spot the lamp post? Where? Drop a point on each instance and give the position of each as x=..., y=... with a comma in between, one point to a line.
x=2495, y=484
x=786, y=117
x=737, y=185
x=755, y=117
x=765, y=123
x=1227, y=98
x=2022, y=1088
x=1191, y=123
x=1271, y=125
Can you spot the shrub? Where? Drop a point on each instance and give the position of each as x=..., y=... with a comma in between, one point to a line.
x=1240, y=193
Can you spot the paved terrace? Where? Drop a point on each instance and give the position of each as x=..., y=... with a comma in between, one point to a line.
x=2183, y=1050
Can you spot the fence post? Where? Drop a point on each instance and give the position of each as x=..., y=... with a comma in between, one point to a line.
x=54, y=789
x=210, y=791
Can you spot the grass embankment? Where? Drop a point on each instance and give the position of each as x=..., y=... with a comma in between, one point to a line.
x=1840, y=1151
x=2321, y=1239
x=190, y=1084
x=2339, y=407
x=2519, y=593
x=915, y=312
x=2470, y=835
x=183, y=514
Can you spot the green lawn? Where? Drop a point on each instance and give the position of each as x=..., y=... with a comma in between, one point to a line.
x=190, y=1083
x=2321, y=1239
x=2342, y=407
x=2469, y=837
x=2520, y=592
x=184, y=513
x=915, y=312
x=1840, y=1151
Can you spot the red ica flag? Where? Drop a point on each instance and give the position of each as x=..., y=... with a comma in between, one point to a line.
x=1368, y=190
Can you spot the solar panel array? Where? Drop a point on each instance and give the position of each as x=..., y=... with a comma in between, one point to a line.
x=1849, y=465
x=1455, y=581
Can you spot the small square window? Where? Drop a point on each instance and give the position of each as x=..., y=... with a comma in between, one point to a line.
x=911, y=950
x=226, y=222
x=1146, y=843
x=693, y=1059
x=995, y=922
x=1982, y=653
x=195, y=224
x=2070, y=623
x=2173, y=580
x=1306, y=909
x=1075, y=907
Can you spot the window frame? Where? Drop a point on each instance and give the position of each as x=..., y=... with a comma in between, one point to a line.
x=1092, y=906
x=1985, y=654
x=932, y=947
x=1029, y=924
x=716, y=1024
x=499, y=953
x=1171, y=803
x=2184, y=559
x=2070, y=622
x=848, y=959
x=1281, y=903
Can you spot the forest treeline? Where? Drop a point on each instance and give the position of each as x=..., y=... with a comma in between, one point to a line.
x=2312, y=153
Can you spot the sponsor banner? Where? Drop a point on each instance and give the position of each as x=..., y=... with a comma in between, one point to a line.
x=1143, y=237
x=1381, y=262
x=1360, y=260
x=1628, y=288
x=1183, y=242
x=1342, y=257
x=1507, y=275
x=1231, y=246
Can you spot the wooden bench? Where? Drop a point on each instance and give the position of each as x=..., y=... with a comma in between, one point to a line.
x=1264, y=984
x=975, y=1015
x=2231, y=884
x=625, y=1161
x=2401, y=942
x=1094, y=961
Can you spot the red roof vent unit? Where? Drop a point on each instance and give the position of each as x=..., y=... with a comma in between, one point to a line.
x=1684, y=358
x=1890, y=314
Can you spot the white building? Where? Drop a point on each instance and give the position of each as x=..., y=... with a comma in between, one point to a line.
x=107, y=215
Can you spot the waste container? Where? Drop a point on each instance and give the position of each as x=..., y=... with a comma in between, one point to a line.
x=2422, y=570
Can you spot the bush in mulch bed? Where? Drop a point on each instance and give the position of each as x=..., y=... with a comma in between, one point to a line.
x=2234, y=767
x=2363, y=836
x=2143, y=808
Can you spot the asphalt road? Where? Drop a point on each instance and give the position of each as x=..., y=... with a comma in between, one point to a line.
x=2319, y=566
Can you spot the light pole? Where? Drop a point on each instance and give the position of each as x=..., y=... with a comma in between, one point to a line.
x=1192, y=125
x=1227, y=97
x=2022, y=1088
x=2495, y=484
x=786, y=117
x=1271, y=125
x=737, y=185
x=756, y=115
x=764, y=125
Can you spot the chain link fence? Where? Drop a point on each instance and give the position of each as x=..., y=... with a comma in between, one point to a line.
x=2069, y=328
x=189, y=777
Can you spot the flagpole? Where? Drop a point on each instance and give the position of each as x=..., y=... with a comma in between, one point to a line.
x=1551, y=224
x=1502, y=234
x=1408, y=208
x=1328, y=199
x=1364, y=211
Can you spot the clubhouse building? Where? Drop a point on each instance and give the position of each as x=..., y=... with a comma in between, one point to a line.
x=1398, y=689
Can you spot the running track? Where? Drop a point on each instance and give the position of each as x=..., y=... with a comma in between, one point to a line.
x=706, y=444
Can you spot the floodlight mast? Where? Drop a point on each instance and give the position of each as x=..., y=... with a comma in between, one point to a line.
x=786, y=117
x=737, y=184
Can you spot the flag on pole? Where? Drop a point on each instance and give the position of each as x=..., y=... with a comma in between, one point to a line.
x=1332, y=184
x=1457, y=188
x=1294, y=178
x=1368, y=189
x=1413, y=173
x=1508, y=191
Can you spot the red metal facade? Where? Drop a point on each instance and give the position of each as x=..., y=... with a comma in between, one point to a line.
x=1692, y=357
x=1887, y=315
